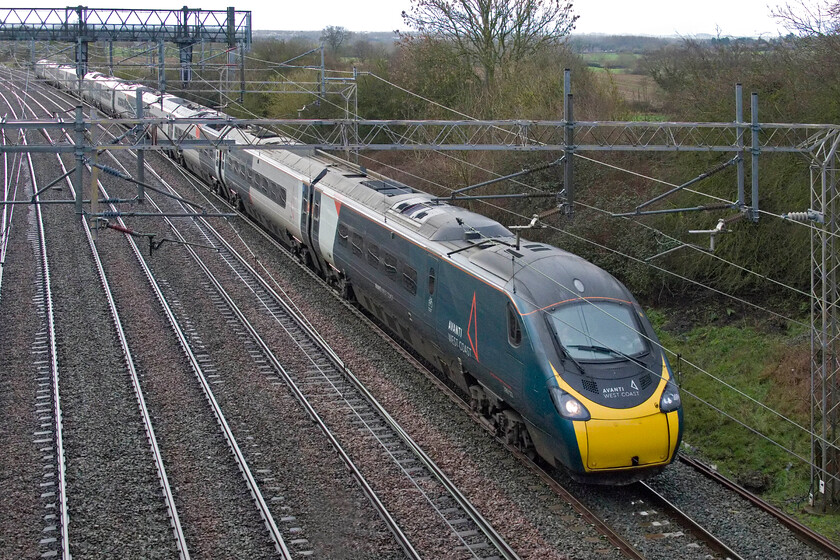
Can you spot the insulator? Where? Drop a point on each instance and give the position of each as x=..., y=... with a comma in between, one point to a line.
x=809, y=216
x=112, y=171
x=797, y=216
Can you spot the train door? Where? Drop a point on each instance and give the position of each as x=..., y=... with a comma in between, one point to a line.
x=514, y=370
x=432, y=265
x=309, y=225
x=432, y=275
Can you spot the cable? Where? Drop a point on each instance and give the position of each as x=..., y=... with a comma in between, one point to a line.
x=713, y=197
x=702, y=252
x=659, y=268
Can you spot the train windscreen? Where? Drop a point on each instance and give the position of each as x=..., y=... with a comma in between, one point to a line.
x=597, y=331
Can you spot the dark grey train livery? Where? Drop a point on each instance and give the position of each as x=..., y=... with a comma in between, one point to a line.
x=552, y=349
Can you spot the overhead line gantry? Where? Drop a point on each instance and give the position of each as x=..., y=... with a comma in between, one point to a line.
x=81, y=26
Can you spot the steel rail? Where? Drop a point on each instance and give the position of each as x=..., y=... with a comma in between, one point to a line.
x=395, y=529
x=485, y=527
x=693, y=526
x=262, y=506
x=475, y=516
x=63, y=513
x=169, y=499
x=803, y=533
x=227, y=432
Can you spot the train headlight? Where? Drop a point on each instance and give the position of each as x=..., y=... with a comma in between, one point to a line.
x=568, y=406
x=670, y=400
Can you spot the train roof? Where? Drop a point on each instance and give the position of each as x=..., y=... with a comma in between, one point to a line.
x=552, y=275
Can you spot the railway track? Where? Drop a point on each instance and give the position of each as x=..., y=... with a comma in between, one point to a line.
x=681, y=524
x=171, y=511
x=48, y=407
x=148, y=428
x=335, y=387
x=805, y=534
x=325, y=383
x=201, y=377
x=474, y=534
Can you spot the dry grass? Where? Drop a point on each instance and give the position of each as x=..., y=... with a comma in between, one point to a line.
x=637, y=90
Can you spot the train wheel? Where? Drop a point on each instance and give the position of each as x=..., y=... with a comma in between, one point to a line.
x=345, y=288
x=515, y=431
x=478, y=400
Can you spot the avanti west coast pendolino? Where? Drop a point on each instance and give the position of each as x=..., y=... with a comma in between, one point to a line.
x=553, y=350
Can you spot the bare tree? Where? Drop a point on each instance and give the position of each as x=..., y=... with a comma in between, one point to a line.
x=335, y=36
x=817, y=19
x=492, y=34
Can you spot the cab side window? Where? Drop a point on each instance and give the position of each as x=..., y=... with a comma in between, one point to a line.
x=514, y=326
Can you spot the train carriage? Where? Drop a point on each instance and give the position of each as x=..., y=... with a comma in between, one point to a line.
x=554, y=351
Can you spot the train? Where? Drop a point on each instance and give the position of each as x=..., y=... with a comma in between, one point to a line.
x=552, y=350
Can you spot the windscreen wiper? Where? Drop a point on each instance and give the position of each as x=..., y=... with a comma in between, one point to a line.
x=610, y=351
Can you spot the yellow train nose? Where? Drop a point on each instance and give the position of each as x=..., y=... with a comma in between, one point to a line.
x=631, y=442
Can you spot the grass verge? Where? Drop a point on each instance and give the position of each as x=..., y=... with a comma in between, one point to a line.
x=746, y=395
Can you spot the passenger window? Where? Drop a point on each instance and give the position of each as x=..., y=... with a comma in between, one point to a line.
x=281, y=196
x=357, y=243
x=514, y=328
x=410, y=280
x=389, y=262
x=431, y=281
x=373, y=255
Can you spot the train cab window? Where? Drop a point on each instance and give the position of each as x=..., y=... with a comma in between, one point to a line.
x=602, y=331
x=389, y=263
x=343, y=234
x=431, y=281
x=410, y=280
x=514, y=327
x=373, y=255
x=357, y=243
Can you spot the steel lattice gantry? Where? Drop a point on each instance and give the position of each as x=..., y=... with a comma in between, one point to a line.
x=81, y=25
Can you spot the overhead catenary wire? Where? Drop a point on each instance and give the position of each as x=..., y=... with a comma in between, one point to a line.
x=709, y=374
x=648, y=264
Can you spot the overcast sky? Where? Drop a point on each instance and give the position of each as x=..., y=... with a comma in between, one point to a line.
x=642, y=17
x=645, y=17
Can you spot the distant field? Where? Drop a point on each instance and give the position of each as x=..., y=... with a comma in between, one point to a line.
x=617, y=62
x=638, y=91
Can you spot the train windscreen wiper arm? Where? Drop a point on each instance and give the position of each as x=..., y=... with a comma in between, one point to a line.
x=606, y=350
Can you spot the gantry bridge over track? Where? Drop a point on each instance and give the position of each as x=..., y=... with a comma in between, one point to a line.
x=81, y=25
